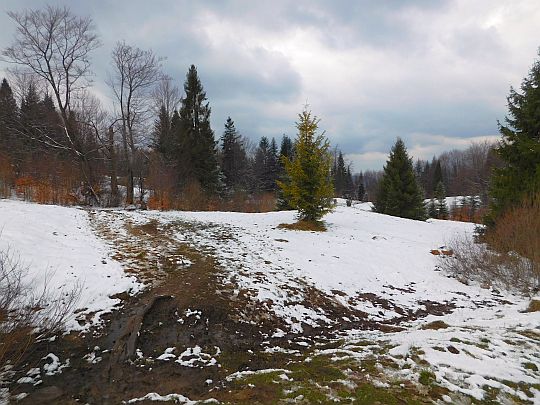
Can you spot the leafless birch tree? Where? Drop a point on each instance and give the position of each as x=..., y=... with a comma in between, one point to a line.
x=135, y=73
x=167, y=95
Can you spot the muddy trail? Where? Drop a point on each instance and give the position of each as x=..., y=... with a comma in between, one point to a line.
x=189, y=331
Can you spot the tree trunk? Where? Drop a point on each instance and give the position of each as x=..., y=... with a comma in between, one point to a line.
x=112, y=170
x=130, y=183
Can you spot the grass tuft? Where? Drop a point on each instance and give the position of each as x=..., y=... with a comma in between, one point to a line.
x=426, y=377
x=534, y=306
x=435, y=325
x=316, y=226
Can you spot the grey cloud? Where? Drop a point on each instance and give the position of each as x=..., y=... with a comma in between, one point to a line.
x=374, y=71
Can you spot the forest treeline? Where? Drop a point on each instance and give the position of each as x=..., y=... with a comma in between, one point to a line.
x=155, y=145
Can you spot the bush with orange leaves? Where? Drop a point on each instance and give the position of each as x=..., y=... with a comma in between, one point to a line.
x=509, y=256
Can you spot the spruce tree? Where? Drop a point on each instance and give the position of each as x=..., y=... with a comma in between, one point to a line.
x=272, y=166
x=361, y=189
x=260, y=164
x=8, y=117
x=228, y=141
x=162, y=135
x=32, y=122
x=440, y=195
x=349, y=184
x=519, y=149
x=233, y=157
x=399, y=193
x=432, y=209
x=287, y=148
x=286, y=151
x=437, y=176
x=340, y=175
x=308, y=187
x=197, y=155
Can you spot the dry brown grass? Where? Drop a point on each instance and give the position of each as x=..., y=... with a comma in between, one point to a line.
x=510, y=256
x=534, y=306
x=314, y=226
x=26, y=315
x=193, y=198
x=435, y=325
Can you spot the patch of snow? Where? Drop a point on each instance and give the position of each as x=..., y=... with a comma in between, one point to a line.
x=177, y=398
x=167, y=355
x=55, y=366
x=242, y=374
x=195, y=357
x=60, y=250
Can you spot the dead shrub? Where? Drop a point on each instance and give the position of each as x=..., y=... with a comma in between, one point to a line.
x=435, y=325
x=193, y=198
x=509, y=256
x=534, y=306
x=27, y=315
x=465, y=214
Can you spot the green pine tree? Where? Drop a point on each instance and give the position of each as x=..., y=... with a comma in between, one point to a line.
x=361, y=188
x=309, y=187
x=440, y=195
x=197, y=154
x=432, y=209
x=286, y=151
x=349, y=184
x=340, y=175
x=161, y=136
x=286, y=148
x=8, y=118
x=399, y=193
x=437, y=176
x=260, y=165
x=519, y=149
x=233, y=157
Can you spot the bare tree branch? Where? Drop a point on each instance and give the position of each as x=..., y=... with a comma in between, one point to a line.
x=135, y=73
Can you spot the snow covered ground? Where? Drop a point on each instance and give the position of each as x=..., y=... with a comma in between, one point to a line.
x=377, y=266
x=60, y=251
x=383, y=266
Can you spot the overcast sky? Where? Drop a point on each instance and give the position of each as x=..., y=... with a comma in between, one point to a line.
x=436, y=73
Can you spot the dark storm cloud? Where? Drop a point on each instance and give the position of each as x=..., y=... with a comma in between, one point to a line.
x=435, y=73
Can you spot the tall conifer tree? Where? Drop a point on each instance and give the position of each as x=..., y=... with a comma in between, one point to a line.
x=197, y=158
x=340, y=175
x=234, y=160
x=520, y=147
x=162, y=135
x=8, y=117
x=399, y=193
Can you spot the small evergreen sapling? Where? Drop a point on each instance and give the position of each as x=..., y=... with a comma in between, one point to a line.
x=440, y=195
x=308, y=187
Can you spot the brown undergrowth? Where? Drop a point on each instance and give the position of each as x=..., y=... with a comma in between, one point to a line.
x=303, y=225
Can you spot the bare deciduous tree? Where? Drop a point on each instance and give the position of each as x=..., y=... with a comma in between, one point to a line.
x=98, y=124
x=135, y=73
x=56, y=45
x=166, y=94
x=22, y=79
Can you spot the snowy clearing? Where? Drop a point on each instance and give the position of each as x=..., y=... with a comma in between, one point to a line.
x=61, y=252
x=369, y=285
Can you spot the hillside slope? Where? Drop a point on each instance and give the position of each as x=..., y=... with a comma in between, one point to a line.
x=264, y=306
